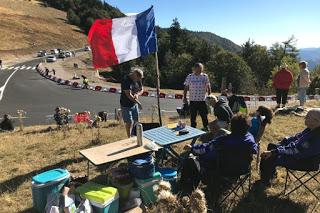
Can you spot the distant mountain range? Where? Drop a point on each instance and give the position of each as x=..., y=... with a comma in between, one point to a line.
x=311, y=55
x=218, y=40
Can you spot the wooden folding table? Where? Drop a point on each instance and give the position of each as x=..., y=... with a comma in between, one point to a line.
x=111, y=152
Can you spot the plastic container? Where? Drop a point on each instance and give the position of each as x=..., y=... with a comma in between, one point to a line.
x=170, y=175
x=46, y=183
x=146, y=188
x=103, y=199
x=142, y=169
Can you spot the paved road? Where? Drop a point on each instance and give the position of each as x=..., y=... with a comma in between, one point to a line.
x=38, y=96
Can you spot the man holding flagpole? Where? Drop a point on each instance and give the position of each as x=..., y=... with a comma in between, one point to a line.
x=114, y=41
x=131, y=89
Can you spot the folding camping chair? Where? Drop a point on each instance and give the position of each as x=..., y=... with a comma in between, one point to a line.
x=307, y=176
x=228, y=161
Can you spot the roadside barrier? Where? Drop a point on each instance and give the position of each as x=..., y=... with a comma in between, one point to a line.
x=247, y=98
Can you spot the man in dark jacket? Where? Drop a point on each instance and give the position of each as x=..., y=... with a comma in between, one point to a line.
x=6, y=124
x=208, y=153
x=221, y=109
x=299, y=152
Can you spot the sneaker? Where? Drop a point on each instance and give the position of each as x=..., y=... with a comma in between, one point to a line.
x=205, y=129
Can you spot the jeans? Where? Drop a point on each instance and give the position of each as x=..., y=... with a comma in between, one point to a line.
x=130, y=114
x=302, y=95
x=282, y=96
x=201, y=108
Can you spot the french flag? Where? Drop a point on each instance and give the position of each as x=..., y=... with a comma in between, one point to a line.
x=114, y=41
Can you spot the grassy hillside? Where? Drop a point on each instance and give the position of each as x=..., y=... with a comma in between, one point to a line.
x=27, y=26
x=39, y=151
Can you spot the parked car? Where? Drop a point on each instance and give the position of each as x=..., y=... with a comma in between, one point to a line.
x=51, y=58
x=68, y=54
x=60, y=50
x=54, y=52
x=42, y=53
x=62, y=55
x=87, y=48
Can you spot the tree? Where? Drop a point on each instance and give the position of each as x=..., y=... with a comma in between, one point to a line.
x=279, y=50
x=258, y=58
x=73, y=18
x=234, y=69
x=177, y=37
x=315, y=83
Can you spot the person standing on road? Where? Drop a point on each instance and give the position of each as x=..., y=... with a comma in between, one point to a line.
x=281, y=82
x=198, y=85
x=303, y=82
x=131, y=89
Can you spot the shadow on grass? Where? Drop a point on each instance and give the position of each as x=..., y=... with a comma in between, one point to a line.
x=41, y=131
x=13, y=184
x=258, y=201
x=30, y=210
x=78, y=31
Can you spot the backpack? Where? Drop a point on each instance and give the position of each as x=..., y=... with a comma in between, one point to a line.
x=190, y=174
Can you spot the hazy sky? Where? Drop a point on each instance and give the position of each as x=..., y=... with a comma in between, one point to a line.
x=264, y=21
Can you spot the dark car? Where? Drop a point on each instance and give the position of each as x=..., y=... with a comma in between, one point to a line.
x=62, y=55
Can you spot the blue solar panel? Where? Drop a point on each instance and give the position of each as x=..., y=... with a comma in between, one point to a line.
x=165, y=136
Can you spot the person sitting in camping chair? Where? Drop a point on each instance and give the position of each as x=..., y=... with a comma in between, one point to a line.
x=216, y=129
x=6, y=124
x=207, y=154
x=299, y=152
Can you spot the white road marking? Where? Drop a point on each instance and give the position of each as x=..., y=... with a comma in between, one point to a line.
x=16, y=68
x=33, y=68
x=10, y=68
x=5, y=84
x=28, y=68
x=22, y=67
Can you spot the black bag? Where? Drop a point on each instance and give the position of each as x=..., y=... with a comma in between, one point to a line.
x=190, y=174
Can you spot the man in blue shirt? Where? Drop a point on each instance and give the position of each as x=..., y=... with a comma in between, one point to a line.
x=299, y=152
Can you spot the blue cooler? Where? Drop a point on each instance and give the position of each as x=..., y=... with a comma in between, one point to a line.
x=170, y=175
x=142, y=169
x=46, y=183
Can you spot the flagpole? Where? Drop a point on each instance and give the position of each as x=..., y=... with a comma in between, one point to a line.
x=158, y=88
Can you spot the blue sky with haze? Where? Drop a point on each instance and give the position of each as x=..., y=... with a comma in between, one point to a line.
x=264, y=21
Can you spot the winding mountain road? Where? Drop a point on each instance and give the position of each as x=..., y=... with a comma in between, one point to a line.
x=22, y=87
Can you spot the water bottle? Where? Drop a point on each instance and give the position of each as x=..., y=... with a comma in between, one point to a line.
x=139, y=134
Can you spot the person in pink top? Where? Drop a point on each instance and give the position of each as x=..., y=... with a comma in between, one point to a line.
x=281, y=82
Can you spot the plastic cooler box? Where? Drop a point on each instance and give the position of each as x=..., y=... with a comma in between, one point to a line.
x=146, y=188
x=170, y=175
x=44, y=184
x=102, y=198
